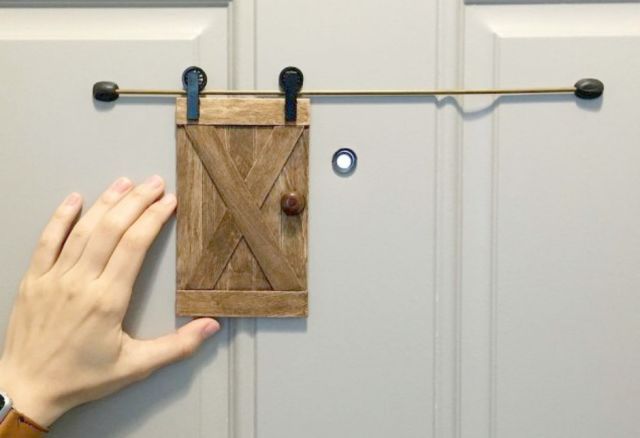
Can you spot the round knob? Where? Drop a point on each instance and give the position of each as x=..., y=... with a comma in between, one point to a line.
x=292, y=203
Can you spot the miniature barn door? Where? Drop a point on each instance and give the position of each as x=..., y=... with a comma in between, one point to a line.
x=242, y=183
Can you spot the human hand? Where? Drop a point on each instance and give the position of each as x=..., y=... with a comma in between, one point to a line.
x=65, y=345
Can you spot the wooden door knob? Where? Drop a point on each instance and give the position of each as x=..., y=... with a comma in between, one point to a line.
x=292, y=203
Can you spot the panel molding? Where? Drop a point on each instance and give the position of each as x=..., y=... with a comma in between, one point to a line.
x=480, y=163
x=447, y=232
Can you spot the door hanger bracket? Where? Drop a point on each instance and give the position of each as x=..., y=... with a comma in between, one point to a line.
x=194, y=79
x=291, y=80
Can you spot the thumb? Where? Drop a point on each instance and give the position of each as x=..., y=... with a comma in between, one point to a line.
x=181, y=344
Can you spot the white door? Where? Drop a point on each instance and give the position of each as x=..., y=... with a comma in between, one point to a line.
x=550, y=267
x=475, y=277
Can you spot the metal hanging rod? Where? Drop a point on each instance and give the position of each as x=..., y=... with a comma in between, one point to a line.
x=113, y=91
x=194, y=80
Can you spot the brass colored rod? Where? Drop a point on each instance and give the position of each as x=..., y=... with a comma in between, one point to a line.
x=352, y=92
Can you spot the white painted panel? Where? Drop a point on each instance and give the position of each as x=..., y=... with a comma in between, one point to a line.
x=568, y=246
x=551, y=240
x=362, y=365
x=56, y=139
x=345, y=44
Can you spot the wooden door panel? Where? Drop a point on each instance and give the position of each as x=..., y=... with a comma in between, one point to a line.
x=238, y=253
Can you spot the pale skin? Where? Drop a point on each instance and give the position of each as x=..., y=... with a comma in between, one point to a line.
x=65, y=345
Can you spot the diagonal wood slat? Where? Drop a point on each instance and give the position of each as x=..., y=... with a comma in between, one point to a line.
x=259, y=181
x=243, y=207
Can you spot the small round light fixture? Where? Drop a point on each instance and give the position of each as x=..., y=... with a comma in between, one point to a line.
x=344, y=161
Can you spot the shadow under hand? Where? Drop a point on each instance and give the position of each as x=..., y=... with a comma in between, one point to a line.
x=144, y=287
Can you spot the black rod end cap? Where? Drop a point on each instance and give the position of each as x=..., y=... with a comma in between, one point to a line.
x=105, y=91
x=589, y=88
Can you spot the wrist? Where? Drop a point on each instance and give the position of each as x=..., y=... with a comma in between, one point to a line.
x=28, y=398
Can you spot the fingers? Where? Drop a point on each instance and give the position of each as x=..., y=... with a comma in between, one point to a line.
x=79, y=236
x=125, y=262
x=157, y=353
x=55, y=233
x=114, y=223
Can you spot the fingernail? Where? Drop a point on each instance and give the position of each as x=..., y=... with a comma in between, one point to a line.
x=154, y=181
x=168, y=199
x=121, y=184
x=72, y=200
x=210, y=329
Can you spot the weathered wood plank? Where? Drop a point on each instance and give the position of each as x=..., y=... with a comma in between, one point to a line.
x=293, y=232
x=223, y=303
x=213, y=210
x=242, y=111
x=190, y=202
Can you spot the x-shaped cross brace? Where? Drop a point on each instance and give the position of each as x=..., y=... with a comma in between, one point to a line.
x=244, y=199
